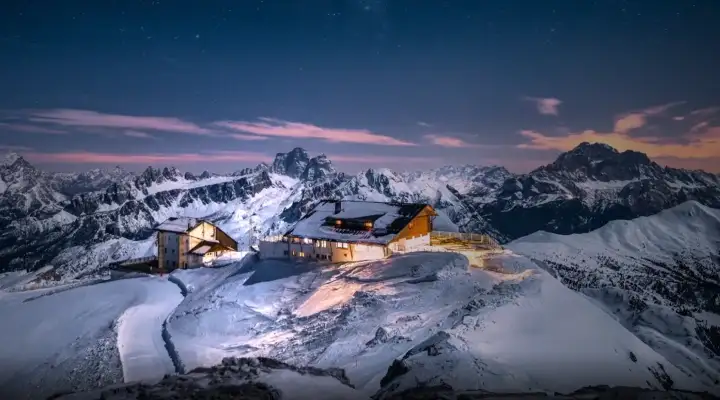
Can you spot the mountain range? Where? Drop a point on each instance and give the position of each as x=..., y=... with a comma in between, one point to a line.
x=51, y=219
x=638, y=244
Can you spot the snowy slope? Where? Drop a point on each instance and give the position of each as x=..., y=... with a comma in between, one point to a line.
x=659, y=276
x=68, y=340
x=515, y=330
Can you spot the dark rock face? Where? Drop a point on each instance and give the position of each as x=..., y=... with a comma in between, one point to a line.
x=590, y=186
x=234, y=378
x=292, y=164
x=317, y=168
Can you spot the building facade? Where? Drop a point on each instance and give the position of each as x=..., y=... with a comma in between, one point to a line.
x=345, y=231
x=189, y=243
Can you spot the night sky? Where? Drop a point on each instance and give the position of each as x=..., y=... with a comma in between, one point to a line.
x=403, y=84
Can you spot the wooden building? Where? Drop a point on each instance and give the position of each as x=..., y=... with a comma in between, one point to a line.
x=190, y=242
x=344, y=231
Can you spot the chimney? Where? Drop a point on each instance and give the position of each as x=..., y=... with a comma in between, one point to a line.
x=338, y=207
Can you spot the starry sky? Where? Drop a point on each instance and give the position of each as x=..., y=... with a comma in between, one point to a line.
x=403, y=84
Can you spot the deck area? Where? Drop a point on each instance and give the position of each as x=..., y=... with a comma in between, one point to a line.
x=478, y=248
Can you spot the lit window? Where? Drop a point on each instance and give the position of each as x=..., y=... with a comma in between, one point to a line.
x=338, y=222
x=307, y=241
x=301, y=254
x=368, y=224
x=342, y=245
x=320, y=243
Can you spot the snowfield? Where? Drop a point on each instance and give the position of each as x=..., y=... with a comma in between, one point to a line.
x=85, y=337
x=427, y=314
x=659, y=276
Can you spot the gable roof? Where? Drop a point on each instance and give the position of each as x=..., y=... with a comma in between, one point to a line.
x=178, y=224
x=206, y=246
x=185, y=225
x=388, y=220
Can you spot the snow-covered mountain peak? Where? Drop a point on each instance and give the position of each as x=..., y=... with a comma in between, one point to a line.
x=10, y=158
x=14, y=161
x=597, y=161
x=292, y=164
x=317, y=168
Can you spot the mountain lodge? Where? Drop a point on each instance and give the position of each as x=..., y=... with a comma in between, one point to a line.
x=190, y=242
x=344, y=231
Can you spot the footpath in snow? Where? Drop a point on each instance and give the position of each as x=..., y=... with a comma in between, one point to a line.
x=141, y=344
x=85, y=337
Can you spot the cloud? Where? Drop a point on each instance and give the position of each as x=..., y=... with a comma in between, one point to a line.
x=83, y=157
x=545, y=105
x=637, y=119
x=704, y=143
x=424, y=124
x=85, y=118
x=447, y=141
x=240, y=136
x=700, y=143
x=298, y=130
x=137, y=134
x=31, y=128
x=12, y=147
x=705, y=111
x=382, y=160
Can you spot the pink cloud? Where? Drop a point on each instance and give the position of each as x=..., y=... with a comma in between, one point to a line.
x=240, y=136
x=85, y=118
x=137, y=134
x=545, y=105
x=703, y=143
x=447, y=141
x=278, y=128
x=379, y=160
x=31, y=128
x=83, y=157
x=637, y=119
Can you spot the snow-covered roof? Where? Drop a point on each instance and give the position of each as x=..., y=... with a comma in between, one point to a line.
x=206, y=246
x=387, y=220
x=202, y=249
x=178, y=224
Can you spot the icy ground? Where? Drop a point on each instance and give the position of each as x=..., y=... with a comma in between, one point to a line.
x=85, y=337
x=428, y=314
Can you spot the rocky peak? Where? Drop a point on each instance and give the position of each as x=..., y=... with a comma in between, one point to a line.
x=205, y=175
x=317, y=168
x=171, y=173
x=14, y=161
x=155, y=175
x=602, y=162
x=292, y=164
x=189, y=176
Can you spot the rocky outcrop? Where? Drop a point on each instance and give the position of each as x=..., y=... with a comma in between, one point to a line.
x=236, y=378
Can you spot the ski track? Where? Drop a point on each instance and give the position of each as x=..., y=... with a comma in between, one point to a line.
x=144, y=350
